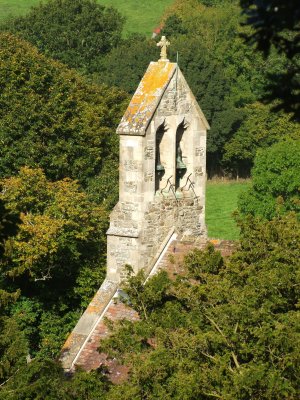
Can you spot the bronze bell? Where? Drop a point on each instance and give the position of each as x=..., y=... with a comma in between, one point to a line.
x=160, y=167
x=160, y=170
x=179, y=163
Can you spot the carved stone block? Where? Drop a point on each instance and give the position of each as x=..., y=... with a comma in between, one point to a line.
x=131, y=165
x=149, y=153
x=128, y=206
x=148, y=176
x=199, y=171
x=199, y=151
x=130, y=187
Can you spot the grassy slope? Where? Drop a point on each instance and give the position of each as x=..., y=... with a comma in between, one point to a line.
x=221, y=201
x=15, y=7
x=142, y=15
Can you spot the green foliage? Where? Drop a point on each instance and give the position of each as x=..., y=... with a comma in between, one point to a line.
x=211, y=3
x=26, y=313
x=7, y=298
x=45, y=380
x=56, y=258
x=125, y=65
x=225, y=74
x=200, y=262
x=174, y=26
x=13, y=349
x=260, y=129
x=211, y=88
x=52, y=118
x=275, y=24
x=75, y=32
x=60, y=231
x=87, y=386
x=43, y=325
x=228, y=329
x=275, y=181
x=8, y=225
x=146, y=298
x=36, y=381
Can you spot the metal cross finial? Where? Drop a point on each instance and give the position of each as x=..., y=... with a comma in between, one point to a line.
x=163, y=52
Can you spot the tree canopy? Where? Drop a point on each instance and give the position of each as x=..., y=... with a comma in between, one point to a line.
x=52, y=118
x=226, y=329
x=56, y=260
x=276, y=25
x=60, y=228
x=275, y=184
x=75, y=32
x=260, y=128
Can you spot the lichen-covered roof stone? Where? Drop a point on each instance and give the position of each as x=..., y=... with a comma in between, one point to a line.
x=146, y=98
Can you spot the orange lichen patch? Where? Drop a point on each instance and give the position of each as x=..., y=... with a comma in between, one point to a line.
x=91, y=309
x=214, y=241
x=146, y=98
x=68, y=342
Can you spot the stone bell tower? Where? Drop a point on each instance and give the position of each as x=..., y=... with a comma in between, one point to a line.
x=162, y=170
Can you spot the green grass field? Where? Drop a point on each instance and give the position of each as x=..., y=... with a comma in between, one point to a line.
x=221, y=201
x=15, y=7
x=141, y=15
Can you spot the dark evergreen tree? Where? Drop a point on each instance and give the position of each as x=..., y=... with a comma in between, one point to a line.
x=276, y=24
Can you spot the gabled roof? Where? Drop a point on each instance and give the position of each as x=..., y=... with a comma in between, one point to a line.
x=146, y=98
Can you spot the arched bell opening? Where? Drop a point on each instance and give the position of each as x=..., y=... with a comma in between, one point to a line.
x=181, y=168
x=159, y=166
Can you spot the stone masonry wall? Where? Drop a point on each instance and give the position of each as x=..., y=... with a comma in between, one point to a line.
x=122, y=219
x=122, y=239
x=188, y=219
x=165, y=213
x=158, y=221
x=138, y=244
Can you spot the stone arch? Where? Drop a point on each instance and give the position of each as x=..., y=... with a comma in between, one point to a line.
x=160, y=160
x=180, y=165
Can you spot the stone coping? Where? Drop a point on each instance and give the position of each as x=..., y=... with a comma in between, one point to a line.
x=86, y=324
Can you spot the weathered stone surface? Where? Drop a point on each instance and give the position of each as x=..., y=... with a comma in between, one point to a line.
x=162, y=117
x=86, y=324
